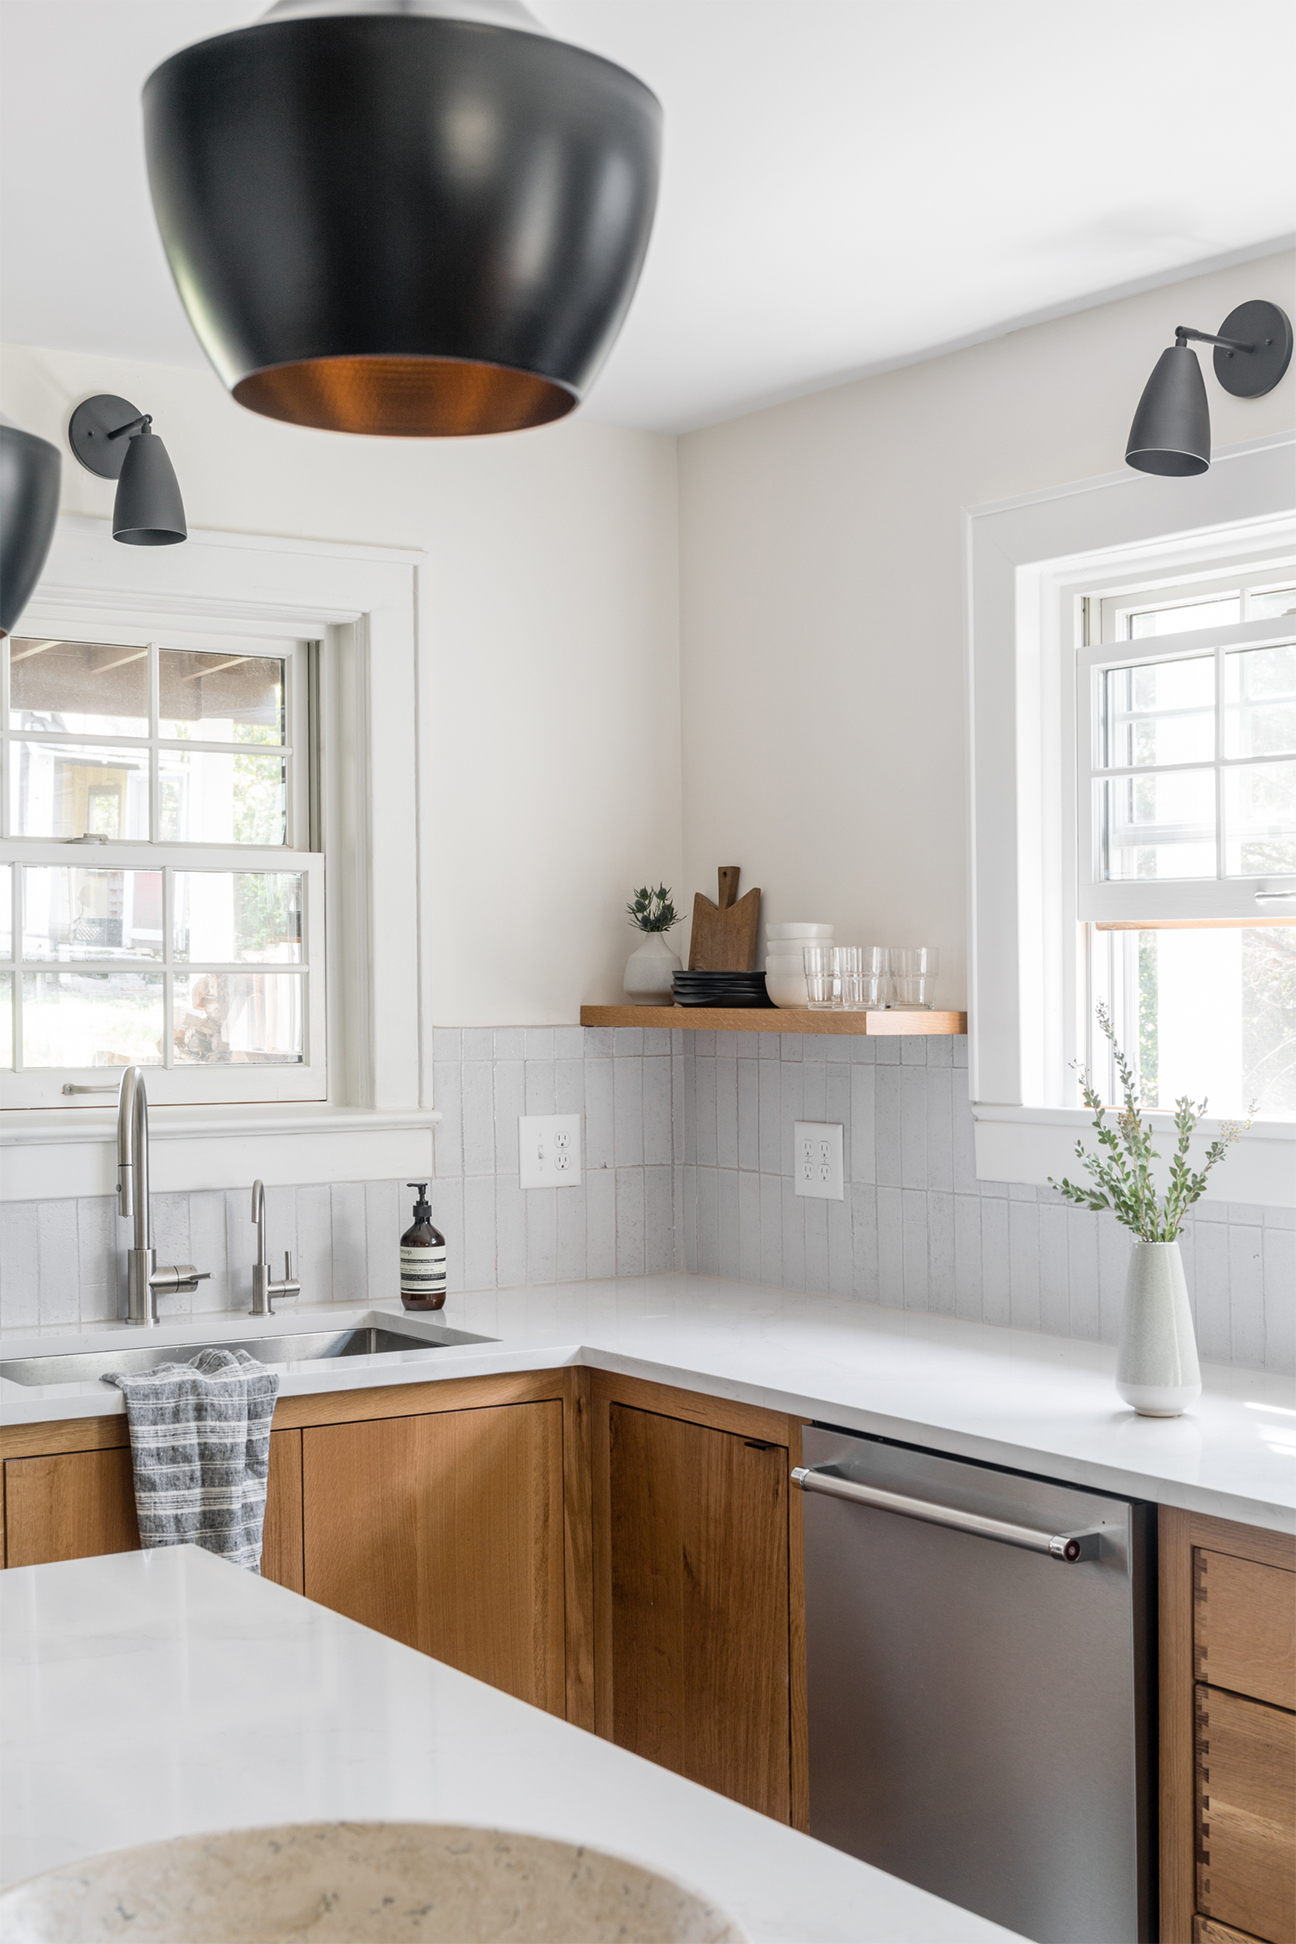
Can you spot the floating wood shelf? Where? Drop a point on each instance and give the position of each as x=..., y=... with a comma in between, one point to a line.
x=773, y=1019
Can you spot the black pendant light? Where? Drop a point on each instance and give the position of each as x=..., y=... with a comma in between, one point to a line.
x=416, y=218
x=1171, y=430
x=112, y=438
x=29, y=498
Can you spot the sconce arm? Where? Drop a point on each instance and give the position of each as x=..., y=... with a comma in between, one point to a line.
x=1183, y=332
x=145, y=419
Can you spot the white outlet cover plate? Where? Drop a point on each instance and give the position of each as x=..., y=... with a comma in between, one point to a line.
x=549, y=1149
x=817, y=1160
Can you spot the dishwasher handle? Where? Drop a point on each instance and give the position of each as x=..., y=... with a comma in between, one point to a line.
x=1066, y=1546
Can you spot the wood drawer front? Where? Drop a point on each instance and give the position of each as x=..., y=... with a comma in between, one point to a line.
x=1244, y=1627
x=1246, y=1815
x=71, y=1505
x=1205, y=1931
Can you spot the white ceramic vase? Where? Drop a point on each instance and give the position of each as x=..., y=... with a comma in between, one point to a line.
x=1156, y=1366
x=650, y=970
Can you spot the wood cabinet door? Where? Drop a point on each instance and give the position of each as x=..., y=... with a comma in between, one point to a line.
x=699, y=1604
x=446, y=1532
x=1246, y=1815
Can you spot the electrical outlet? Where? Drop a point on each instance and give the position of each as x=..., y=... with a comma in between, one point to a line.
x=817, y=1154
x=549, y=1146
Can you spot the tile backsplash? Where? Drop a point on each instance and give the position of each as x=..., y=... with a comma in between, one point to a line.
x=688, y=1164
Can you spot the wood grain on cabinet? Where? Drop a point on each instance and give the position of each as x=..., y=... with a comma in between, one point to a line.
x=1246, y=1814
x=69, y=1505
x=445, y=1531
x=1245, y=1627
x=1206, y=1931
x=699, y=1646
x=281, y=1537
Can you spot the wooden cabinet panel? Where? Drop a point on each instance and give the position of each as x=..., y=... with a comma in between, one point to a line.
x=1246, y=1815
x=1244, y=1630
x=446, y=1532
x=699, y=1603
x=1207, y=1932
x=281, y=1538
x=71, y=1505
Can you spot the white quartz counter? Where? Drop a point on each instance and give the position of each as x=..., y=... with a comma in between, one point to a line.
x=148, y=1695
x=1041, y=1404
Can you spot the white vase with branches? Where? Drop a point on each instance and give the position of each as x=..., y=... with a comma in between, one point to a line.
x=650, y=973
x=1156, y=1366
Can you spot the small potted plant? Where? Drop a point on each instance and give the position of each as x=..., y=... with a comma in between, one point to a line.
x=1156, y=1366
x=653, y=965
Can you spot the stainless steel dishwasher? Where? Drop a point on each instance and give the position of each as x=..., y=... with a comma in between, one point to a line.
x=977, y=1652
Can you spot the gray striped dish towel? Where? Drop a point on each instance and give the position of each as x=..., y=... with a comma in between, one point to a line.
x=200, y=1446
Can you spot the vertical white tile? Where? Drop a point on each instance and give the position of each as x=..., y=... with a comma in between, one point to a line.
x=600, y=1225
x=569, y=1042
x=538, y=1044
x=447, y=1136
x=478, y=1243
x=682, y=1124
x=1246, y=1294
x=383, y=1231
x=510, y=1232
x=569, y=1086
x=1280, y=1299
x=350, y=1279
x=726, y=1078
x=508, y=1043
x=791, y=1110
x=477, y=1116
x=627, y=1095
x=771, y=1224
x=382, y=1249
x=913, y=1126
x=996, y=1289
x=629, y=1220
x=657, y=1124
x=60, y=1265
x=837, y=1110
x=938, y=1051
x=940, y=1129
x=704, y=1096
x=171, y=1240
x=814, y=1214
x=1082, y=1273
x=749, y=1218
x=1024, y=1264
x=600, y=1118
x=964, y=1142
x=890, y=1248
x=863, y=1085
x=207, y=1241
x=967, y=1257
x=887, y=1125
x=767, y=1046
x=727, y=1226
x=793, y=1234
x=538, y=1087
x=478, y=1043
x=790, y=1046
x=597, y=1042
x=1211, y=1273
x=688, y=1189
x=659, y=1216
x=542, y=1232
x=1113, y=1267
x=572, y=1219
x=708, y=1218
x=841, y=1262
x=913, y=1049
x=959, y=1049
x=748, y=1115
x=627, y=1042
x=97, y=1258
x=685, y=1207
x=864, y=1240
x=240, y=1252
x=1055, y=1314
x=447, y=1044
x=913, y=1219
x=314, y=1244
x=769, y=1078
x=510, y=1105
x=940, y=1253
x=814, y=1086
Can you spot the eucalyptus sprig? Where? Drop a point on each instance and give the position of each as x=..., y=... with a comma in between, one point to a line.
x=652, y=911
x=1122, y=1172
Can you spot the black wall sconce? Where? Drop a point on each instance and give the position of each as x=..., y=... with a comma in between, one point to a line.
x=29, y=500
x=113, y=438
x=1171, y=430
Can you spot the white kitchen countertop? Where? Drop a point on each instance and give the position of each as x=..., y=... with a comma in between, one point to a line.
x=167, y=1693
x=1038, y=1403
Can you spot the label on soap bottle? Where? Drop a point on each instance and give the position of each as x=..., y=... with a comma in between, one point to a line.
x=423, y=1271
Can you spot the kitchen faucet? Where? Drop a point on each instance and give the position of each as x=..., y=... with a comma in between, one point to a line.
x=264, y=1288
x=145, y=1282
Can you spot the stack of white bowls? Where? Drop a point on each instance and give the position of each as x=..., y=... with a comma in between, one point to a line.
x=784, y=966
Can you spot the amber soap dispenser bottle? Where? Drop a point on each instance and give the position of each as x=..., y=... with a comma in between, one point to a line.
x=423, y=1258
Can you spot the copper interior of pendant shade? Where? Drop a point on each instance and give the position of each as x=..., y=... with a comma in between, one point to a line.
x=409, y=398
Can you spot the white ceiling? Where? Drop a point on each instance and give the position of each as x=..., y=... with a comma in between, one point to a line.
x=849, y=184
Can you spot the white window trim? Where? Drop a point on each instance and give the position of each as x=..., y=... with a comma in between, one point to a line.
x=364, y=604
x=1027, y=561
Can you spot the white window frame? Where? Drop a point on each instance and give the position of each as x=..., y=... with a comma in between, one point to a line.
x=1030, y=564
x=363, y=604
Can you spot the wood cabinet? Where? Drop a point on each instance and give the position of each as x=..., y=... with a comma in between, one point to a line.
x=696, y=1618
x=1228, y=1732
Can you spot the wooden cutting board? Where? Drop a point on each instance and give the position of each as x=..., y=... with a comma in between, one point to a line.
x=724, y=934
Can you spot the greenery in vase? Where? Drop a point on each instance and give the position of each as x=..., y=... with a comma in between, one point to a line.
x=1122, y=1171
x=652, y=911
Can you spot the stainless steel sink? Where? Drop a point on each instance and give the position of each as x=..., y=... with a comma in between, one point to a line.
x=305, y=1346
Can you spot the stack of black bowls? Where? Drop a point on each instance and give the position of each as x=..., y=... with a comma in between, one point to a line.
x=720, y=989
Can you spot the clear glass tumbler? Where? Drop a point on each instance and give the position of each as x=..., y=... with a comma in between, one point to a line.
x=820, y=975
x=913, y=977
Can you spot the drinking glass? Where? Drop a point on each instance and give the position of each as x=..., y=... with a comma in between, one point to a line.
x=820, y=976
x=913, y=977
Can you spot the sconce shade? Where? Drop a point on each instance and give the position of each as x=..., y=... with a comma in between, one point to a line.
x=148, y=510
x=1171, y=430
x=29, y=498
x=384, y=219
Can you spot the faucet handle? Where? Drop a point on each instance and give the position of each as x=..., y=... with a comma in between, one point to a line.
x=288, y=1288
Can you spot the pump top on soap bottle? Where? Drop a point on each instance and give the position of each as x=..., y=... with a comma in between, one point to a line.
x=422, y=1258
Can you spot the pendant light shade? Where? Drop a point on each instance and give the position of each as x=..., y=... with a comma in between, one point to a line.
x=1171, y=430
x=420, y=219
x=111, y=438
x=29, y=498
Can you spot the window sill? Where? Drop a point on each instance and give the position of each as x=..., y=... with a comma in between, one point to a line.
x=72, y=1152
x=1029, y=1144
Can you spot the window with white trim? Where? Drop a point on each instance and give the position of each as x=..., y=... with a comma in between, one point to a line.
x=161, y=887
x=1186, y=836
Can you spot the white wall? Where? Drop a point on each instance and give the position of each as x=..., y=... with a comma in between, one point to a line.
x=555, y=628
x=821, y=581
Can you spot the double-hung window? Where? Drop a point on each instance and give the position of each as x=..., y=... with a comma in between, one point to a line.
x=161, y=885
x=1186, y=828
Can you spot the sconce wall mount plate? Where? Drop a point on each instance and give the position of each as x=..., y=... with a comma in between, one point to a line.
x=88, y=433
x=1268, y=330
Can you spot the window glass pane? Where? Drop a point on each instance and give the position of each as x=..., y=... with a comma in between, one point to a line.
x=62, y=790
x=220, y=697
x=1244, y=983
x=1263, y=604
x=6, y=1019
x=89, y=1019
x=1190, y=614
x=84, y=689
x=208, y=798
x=238, y=1018
x=1260, y=701
x=1158, y=825
x=1160, y=712
x=69, y=913
x=6, y=911
x=1260, y=819
x=226, y=916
